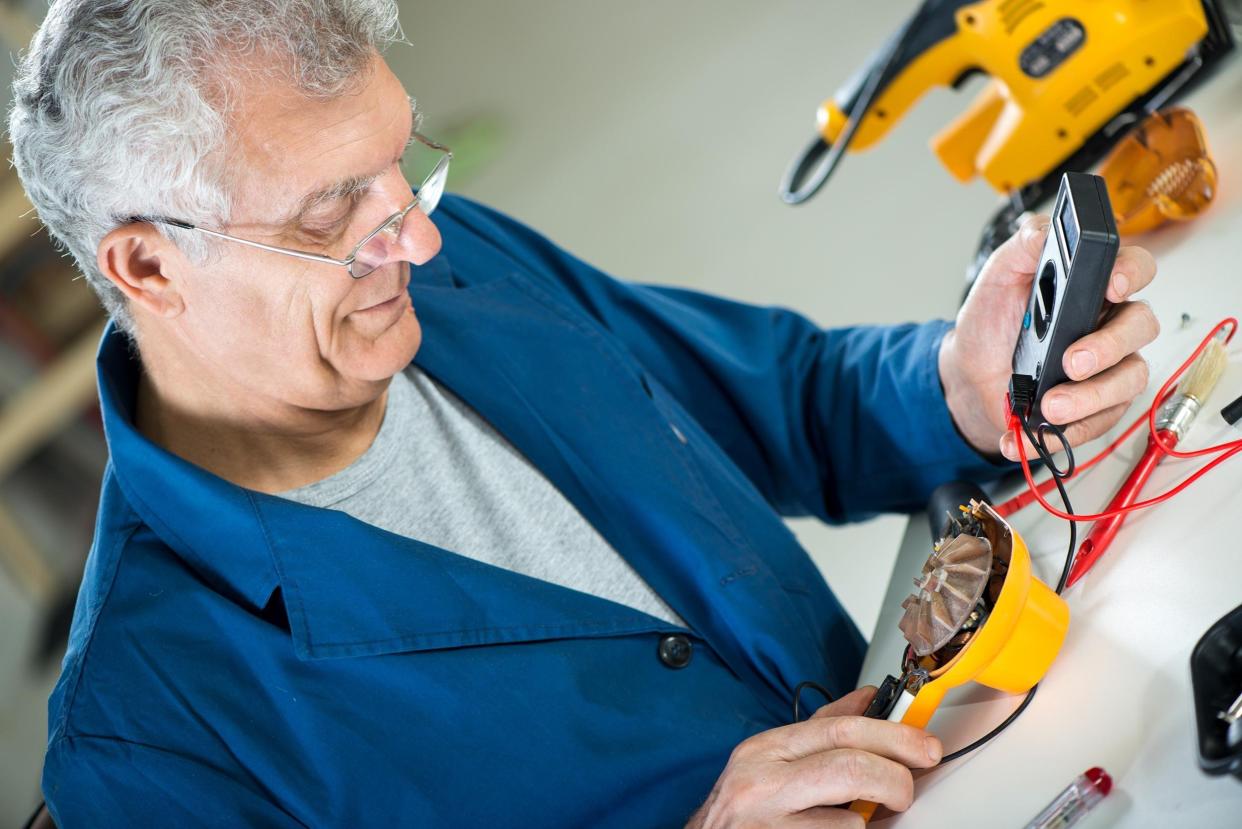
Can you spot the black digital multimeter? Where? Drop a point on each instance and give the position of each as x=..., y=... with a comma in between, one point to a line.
x=1070, y=283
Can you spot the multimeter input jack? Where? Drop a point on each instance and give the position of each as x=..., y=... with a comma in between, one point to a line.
x=1045, y=299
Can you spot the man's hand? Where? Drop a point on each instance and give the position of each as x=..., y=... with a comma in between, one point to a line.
x=1105, y=371
x=798, y=775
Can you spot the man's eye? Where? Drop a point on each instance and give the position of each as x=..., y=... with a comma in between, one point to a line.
x=331, y=225
x=324, y=228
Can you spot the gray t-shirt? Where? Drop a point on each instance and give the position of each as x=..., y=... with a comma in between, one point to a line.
x=440, y=474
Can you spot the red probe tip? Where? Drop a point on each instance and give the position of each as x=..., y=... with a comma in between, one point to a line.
x=1100, y=779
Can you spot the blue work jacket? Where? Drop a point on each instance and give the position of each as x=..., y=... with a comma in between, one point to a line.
x=238, y=659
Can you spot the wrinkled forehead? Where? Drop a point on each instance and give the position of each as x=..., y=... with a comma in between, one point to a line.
x=284, y=145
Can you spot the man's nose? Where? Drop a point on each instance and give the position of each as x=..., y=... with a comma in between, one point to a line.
x=413, y=238
x=417, y=241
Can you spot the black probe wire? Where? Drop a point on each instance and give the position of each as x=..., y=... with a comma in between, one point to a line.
x=1038, y=440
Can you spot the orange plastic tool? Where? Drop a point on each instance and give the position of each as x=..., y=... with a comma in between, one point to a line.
x=1161, y=171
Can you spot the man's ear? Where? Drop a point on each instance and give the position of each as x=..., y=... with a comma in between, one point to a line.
x=141, y=264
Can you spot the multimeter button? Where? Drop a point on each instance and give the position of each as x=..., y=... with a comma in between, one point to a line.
x=1026, y=321
x=675, y=650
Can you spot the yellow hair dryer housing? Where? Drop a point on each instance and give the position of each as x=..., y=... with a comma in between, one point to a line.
x=1009, y=639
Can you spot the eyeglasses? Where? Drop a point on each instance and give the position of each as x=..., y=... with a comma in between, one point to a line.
x=375, y=247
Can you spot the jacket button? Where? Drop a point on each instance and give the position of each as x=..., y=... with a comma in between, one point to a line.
x=675, y=650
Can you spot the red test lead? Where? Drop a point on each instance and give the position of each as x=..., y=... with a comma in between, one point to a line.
x=1172, y=423
x=1222, y=451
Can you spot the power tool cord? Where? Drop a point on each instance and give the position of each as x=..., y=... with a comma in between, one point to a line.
x=792, y=189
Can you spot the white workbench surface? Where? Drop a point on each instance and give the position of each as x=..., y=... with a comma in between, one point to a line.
x=1119, y=694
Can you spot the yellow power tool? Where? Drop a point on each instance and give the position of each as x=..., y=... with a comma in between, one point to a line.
x=1068, y=80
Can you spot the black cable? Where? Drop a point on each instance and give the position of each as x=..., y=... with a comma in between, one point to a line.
x=1041, y=446
x=1039, y=441
x=1058, y=475
x=953, y=755
x=815, y=686
x=835, y=152
x=793, y=190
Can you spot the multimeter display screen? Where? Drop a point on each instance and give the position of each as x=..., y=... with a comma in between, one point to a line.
x=1069, y=228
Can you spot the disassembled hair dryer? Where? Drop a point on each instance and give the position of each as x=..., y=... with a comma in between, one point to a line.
x=978, y=614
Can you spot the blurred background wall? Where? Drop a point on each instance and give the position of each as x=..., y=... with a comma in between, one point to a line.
x=646, y=137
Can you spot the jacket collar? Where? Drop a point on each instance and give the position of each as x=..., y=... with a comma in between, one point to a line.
x=206, y=520
x=211, y=523
x=377, y=592
x=351, y=589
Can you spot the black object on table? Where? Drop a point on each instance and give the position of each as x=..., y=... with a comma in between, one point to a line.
x=1216, y=674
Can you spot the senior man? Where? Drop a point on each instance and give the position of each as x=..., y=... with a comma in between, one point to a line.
x=429, y=523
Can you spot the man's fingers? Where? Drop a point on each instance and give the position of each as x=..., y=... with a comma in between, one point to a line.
x=1030, y=240
x=1090, y=428
x=907, y=745
x=844, y=775
x=1132, y=326
x=793, y=774
x=852, y=704
x=1015, y=261
x=1134, y=270
x=825, y=817
x=1076, y=433
x=1122, y=383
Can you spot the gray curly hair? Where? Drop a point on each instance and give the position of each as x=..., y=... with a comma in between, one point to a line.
x=120, y=106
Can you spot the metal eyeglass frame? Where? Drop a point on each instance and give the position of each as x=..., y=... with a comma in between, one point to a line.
x=434, y=179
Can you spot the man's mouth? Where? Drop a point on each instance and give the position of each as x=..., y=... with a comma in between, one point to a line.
x=382, y=306
x=399, y=297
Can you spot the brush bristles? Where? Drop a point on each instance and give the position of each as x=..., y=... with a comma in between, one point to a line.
x=1205, y=372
